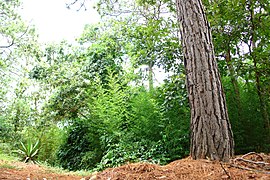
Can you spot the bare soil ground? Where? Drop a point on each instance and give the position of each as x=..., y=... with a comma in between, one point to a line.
x=22, y=171
x=249, y=166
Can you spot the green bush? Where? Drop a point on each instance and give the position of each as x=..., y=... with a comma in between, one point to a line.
x=51, y=139
x=130, y=151
x=6, y=132
x=147, y=121
x=6, y=137
x=246, y=118
x=173, y=100
x=81, y=149
x=125, y=124
x=150, y=136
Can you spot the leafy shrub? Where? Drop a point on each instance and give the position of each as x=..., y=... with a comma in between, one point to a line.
x=124, y=125
x=147, y=120
x=246, y=118
x=5, y=130
x=81, y=149
x=124, y=152
x=150, y=135
x=174, y=104
x=5, y=148
x=51, y=139
x=6, y=137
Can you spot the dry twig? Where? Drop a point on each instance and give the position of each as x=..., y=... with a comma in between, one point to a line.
x=257, y=165
x=249, y=169
x=225, y=170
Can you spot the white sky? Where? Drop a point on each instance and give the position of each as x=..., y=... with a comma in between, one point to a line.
x=54, y=22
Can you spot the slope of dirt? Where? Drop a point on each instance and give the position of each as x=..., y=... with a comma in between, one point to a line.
x=22, y=171
x=250, y=166
x=178, y=170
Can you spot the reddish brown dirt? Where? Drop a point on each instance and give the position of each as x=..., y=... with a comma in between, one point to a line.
x=22, y=171
x=253, y=166
x=178, y=170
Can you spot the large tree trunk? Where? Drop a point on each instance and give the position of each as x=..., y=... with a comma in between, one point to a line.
x=211, y=134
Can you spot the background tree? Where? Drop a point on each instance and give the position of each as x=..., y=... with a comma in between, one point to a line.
x=18, y=49
x=232, y=23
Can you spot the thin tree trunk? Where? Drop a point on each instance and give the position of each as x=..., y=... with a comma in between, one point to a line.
x=228, y=59
x=150, y=77
x=211, y=134
x=260, y=90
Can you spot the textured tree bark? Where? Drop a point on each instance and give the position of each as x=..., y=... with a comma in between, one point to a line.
x=211, y=134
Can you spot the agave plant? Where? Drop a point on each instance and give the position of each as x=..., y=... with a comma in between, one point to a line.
x=29, y=151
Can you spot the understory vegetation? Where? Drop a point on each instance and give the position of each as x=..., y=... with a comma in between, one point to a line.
x=118, y=95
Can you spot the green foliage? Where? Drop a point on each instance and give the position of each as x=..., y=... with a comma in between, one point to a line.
x=81, y=149
x=110, y=105
x=29, y=151
x=150, y=136
x=137, y=139
x=6, y=136
x=5, y=157
x=173, y=99
x=72, y=71
x=18, y=49
x=153, y=44
x=5, y=130
x=104, y=50
x=147, y=121
x=133, y=151
x=124, y=125
x=12, y=24
x=51, y=139
x=249, y=132
x=241, y=38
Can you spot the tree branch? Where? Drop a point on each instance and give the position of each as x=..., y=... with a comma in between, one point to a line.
x=249, y=169
x=256, y=163
x=13, y=40
x=8, y=46
x=68, y=5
